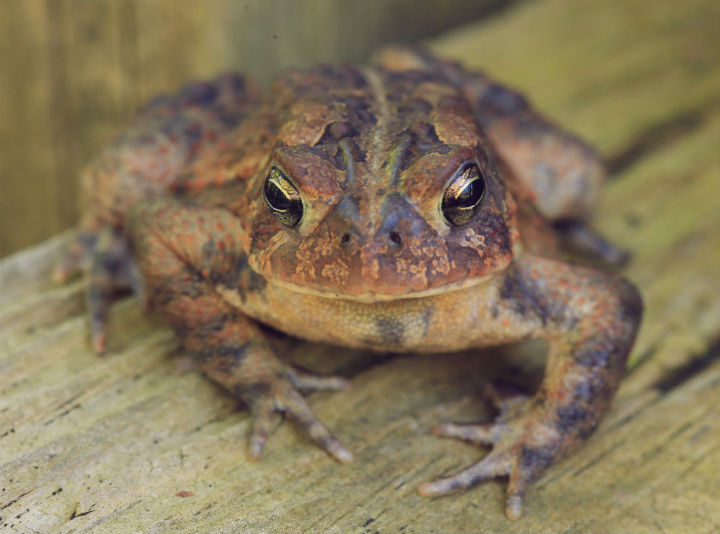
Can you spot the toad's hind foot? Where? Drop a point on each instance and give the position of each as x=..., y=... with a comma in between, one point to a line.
x=581, y=237
x=522, y=448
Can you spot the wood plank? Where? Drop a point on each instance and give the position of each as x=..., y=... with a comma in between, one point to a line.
x=91, y=444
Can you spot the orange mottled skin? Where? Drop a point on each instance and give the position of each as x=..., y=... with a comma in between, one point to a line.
x=179, y=213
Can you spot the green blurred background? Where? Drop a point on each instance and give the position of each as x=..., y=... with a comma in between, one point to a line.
x=74, y=70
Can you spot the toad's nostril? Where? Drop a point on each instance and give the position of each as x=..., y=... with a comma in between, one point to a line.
x=395, y=238
x=345, y=239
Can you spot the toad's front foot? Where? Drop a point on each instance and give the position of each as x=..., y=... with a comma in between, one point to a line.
x=589, y=321
x=269, y=399
x=522, y=447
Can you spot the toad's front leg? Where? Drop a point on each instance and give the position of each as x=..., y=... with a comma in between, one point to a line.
x=184, y=253
x=589, y=320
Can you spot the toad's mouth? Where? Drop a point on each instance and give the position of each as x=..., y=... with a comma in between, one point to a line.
x=371, y=297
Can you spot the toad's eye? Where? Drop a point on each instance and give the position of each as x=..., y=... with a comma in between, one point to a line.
x=282, y=198
x=464, y=195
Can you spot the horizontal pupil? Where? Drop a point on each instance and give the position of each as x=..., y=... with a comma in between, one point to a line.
x=470, y=194
x=466, y=195
x=276, y=197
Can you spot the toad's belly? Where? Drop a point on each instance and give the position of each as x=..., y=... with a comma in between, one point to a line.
x=471, y=317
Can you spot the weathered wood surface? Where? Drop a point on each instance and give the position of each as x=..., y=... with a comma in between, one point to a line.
x=137, y=441
x=73, y=71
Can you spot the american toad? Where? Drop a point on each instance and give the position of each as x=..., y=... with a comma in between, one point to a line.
x=408, y=206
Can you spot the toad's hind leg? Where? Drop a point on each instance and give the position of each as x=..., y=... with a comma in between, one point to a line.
x=589, y=320
x=556, y=170
x=561, y=172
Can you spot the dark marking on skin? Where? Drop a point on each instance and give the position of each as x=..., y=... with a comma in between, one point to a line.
x=251, y=392
x=502, y=101
x=391, y=331
x=86, y=240
x=523, y=296
x=417, y=148
x=578, y=415
x=427, y=134
x=336, y=131
x=580, y=237
x=536, y=460
x=359, y=109
x=569, y=417
x=255, y=282
x=201, y=94
x=414, y=106
x=234, y=272
x=526, y=126
x=631, y=304
x=235, y=354
x=221, y=359
x=425, y=318
x=210, y=254
x=358, y=154
x=598, y=357
x=240, y=268
x=681, y=374
x=218, y=322
x=575, y=419
x=236, y=83
x=330, y=153
x=192, y=285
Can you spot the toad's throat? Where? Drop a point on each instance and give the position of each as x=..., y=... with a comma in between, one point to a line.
x=375, y=296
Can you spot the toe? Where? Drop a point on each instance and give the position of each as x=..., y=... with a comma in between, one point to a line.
x=493, y=465
x=265, y=420
x=296, y=407
x=513, y=507
x=97, y=301
x=308, y=382
x=480, y=434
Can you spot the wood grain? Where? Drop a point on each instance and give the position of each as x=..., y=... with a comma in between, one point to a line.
x=136, y=441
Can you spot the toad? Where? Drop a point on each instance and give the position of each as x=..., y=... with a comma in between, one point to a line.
x=406, y=206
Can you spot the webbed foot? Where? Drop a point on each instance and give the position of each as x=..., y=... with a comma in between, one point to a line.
x=522, y=447
x=580, y=236
x=513, y=436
